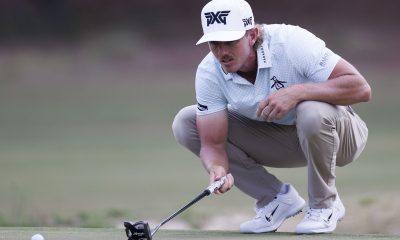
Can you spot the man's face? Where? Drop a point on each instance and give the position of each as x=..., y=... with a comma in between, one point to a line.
x=234, y=55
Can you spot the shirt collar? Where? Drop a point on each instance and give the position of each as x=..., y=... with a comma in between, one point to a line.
x=264, y=55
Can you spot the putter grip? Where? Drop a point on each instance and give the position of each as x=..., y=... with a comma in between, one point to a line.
x=216, y=185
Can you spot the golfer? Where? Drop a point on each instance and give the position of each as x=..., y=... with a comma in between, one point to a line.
x=273, y=96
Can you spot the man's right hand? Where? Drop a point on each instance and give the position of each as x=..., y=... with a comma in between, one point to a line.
x=216, y=173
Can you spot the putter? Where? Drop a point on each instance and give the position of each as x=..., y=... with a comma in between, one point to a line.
x=141, y=230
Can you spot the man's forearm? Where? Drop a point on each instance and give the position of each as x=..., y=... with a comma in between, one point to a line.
x=345, y=86
x=343, y=90
x=214, y=156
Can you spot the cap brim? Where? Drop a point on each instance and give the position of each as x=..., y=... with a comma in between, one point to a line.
x=223, y=36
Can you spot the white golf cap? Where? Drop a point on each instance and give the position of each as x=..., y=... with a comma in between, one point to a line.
x=225, y=20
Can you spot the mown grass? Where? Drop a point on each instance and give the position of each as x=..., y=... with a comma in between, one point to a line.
x=119, y=234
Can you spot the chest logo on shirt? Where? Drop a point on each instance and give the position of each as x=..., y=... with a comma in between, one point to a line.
x=277, y=83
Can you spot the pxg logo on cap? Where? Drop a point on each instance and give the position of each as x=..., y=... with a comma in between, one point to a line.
x=225, y=20
x=219, y=17
x=247, y=21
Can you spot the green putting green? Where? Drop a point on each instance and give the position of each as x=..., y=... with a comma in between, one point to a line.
x=118, y=234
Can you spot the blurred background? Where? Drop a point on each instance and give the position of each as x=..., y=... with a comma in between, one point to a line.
x=89, y=89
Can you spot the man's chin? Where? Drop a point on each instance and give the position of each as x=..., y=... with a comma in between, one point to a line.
x=228, y=69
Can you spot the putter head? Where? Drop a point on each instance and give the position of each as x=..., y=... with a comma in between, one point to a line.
x=138, y=230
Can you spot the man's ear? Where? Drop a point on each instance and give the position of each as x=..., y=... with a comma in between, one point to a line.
x=253, y=35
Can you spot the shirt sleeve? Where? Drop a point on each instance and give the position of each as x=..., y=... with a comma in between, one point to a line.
x=209, y=96
x=310, y=56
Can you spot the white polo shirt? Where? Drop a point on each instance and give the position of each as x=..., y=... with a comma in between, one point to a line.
x=289, y=55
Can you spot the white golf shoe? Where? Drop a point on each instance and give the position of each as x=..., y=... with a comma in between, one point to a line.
x=322, y=220
x=271, y=216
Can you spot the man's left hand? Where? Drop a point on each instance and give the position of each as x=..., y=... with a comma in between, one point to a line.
x=279, y=103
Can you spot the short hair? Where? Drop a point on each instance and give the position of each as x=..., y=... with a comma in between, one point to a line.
x=260, y=37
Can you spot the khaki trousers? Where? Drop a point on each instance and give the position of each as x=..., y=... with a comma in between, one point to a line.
x=325, y=136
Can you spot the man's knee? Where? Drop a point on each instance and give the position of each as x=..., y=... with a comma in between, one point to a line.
x=312, y=116
x=184, y=125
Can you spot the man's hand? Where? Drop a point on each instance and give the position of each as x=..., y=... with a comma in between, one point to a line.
x=216, y=173
x=278, y=104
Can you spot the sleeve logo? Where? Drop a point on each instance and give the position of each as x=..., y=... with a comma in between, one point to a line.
x=324, y=59
x=202, y=107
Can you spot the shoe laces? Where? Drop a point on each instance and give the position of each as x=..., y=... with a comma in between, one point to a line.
x=315, y=214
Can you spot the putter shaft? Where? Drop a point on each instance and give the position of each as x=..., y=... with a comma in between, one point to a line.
x=216, y=185
x=198, y=198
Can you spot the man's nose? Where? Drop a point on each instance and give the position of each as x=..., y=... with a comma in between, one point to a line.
x=222, y=49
